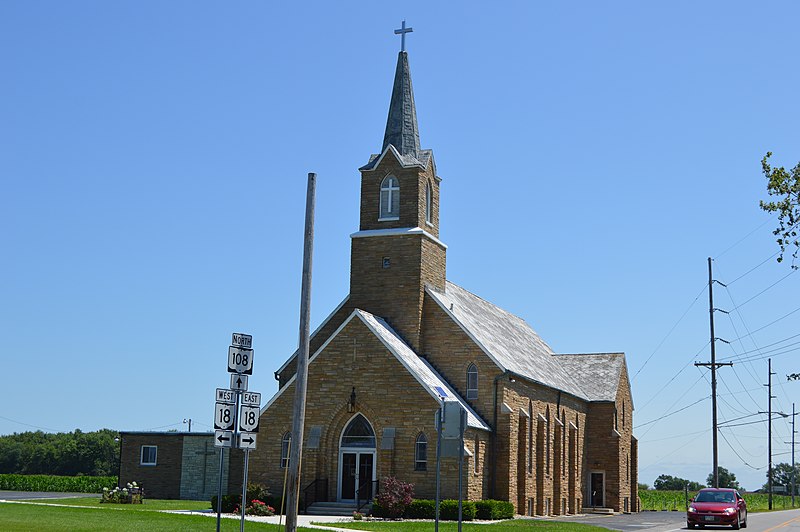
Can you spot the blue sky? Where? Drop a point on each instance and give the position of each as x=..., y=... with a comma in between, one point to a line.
x=153, y=169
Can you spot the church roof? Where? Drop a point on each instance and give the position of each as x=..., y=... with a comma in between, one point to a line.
x=514, y=346
x=599, y=373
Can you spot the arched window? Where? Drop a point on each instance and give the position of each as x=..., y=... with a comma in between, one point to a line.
x=428, y=203
x=358, y=433
x=421, y=453
x=390, y=199
x=472, y=382
x=286, y=445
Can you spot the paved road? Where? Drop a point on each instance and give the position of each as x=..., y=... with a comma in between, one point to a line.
x=20, y=495
x=781, y=521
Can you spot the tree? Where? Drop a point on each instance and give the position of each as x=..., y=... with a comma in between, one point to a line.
x=786, y=186
x=782, y=476
x=643, y=486
x=726, y=479
x=668, y=482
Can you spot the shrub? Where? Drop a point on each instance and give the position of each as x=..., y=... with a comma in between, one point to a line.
x=229, y=502
x=378, y=510
x=421, y=509
x=255, y=492
x=256, y=507
x=491, y=510
x=395, y=496
x=448, y=510
x=131, y=494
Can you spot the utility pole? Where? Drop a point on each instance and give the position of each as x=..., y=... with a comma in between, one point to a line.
x=769, y=431
x=301, y=382
x=713, y=365
x=793, y=471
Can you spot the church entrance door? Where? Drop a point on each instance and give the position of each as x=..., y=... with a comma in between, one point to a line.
x=357, y=454
x=597, y=481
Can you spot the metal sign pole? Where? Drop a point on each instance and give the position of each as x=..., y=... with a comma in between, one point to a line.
x=244, y=488
x=439, y=421
x=219, y=485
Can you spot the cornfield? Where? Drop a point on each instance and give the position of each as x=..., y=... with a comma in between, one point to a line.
x=84, y=484
x=665, y=500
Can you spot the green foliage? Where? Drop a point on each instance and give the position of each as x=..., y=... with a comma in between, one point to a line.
x=786, y=186
x=395, y=496
x=782, y=476
x=131, y=494
x=421, y=509
x=255, y=492
x=56, y=483
x=676, y=501
x=642, y=486
x=491, y=510
x=448, y=510
x=668, y=482
x=229, y=502
x=66, y=453
x=726, y=479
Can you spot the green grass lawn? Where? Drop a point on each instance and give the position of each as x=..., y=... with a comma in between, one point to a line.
x=116, y=517
x=147, y=504
x=452, y=526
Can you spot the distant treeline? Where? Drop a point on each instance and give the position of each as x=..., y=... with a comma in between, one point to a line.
x=65, y=453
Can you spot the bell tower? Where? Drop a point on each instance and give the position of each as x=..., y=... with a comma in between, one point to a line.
x=397, y=251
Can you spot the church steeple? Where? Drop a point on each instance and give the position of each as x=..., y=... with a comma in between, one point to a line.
x=401, y=125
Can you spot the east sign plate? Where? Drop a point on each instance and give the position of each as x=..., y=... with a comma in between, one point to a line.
x=251, y=398
x=240, y=360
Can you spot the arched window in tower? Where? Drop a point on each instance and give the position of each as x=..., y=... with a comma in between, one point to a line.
x=286, y=444
x=472, y=382
x=390, y=199
x=421, y=453
x=428, y=203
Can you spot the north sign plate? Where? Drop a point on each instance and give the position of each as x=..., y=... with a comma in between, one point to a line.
x=238, y=382
x=225, y=395
x=240, y=360
x=223, y=438
x=248, y=420
x=242, y=340
x=247, y=440
x=223, y=416
x=251, y=398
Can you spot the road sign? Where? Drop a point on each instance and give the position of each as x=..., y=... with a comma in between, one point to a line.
x=223, y=416
x=248, y=420
x=240, y=360
x=238, y=383
x=225, y=395
x=251, y=399
x=223, y=438
x=247, y=440
x=242, y=340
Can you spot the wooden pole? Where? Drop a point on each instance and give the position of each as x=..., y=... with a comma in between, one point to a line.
x=301, y=378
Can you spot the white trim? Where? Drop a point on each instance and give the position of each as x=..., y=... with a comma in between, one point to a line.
x=141, y=456
x=396, y=156
x=573, y=425
x=395, y=232
x=505, y=409
x=542, y=418
x=560, y=423
x=524, y=413
x=321, y=325
x=389, y=219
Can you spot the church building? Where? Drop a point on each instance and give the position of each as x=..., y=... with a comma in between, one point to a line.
x=551, y=433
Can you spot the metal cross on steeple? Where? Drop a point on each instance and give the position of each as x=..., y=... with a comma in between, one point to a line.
x=402, y=33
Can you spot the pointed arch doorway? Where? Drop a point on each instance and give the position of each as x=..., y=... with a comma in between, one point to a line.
x=357, y=454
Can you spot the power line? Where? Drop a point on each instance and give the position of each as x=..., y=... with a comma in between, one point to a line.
x=640, y=425
x=754, y=268
x=764, y=290
x=765, y=326
x=768, y=220
x=29, y=425
x=688, y=364
x=737, y=454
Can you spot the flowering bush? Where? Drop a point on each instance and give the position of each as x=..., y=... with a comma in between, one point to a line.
x=256, y=507
x=395, y=496
x=358, y=516
x=131, y=494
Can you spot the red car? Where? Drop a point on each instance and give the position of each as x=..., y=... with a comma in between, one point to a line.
x=717, y=506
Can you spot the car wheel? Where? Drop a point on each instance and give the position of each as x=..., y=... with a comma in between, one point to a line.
x=735, y=525
x=689, y=525
x=744, y=523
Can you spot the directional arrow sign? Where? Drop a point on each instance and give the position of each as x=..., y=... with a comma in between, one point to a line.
x=251, y=399
x=223, y=438
x=238, y=383
x=248, y=421
x=240, y=360
x=223, y=416
x=226, y=396
x=247, y=440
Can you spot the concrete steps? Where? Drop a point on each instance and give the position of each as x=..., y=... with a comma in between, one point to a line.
x=344, y=509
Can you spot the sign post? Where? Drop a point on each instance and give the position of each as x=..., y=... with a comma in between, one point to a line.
x=236, y=414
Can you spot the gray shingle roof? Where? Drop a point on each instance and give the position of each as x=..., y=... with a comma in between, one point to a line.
x=401, y=125
x=514, y=346
x=599, y=373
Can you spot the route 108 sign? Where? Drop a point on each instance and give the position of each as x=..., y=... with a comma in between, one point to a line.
x=240, y=360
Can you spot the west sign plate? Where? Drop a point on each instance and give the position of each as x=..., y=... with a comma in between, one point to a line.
x=248, y=420
x=226, y=396
x=223, y=438
x=240, y=360
x=223, y=416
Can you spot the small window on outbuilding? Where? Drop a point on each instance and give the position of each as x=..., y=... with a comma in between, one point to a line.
x=472, y=382
x=286, y=445
x=390, y=199
x=149, y=455
x=421, y=453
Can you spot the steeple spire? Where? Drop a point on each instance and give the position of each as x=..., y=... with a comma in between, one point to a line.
x=401, y=126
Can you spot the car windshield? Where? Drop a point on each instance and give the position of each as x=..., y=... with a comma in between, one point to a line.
x=715, y=496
